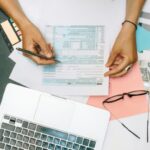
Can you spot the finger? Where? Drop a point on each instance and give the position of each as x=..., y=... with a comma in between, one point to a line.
x=113, y=66
x=117, y=61
x=40, y=61
x=38, y=49
x=49, y=46
x=119, y=68
x=52, y=50
x=119, y=74
x=45, y=49
x=111, y=59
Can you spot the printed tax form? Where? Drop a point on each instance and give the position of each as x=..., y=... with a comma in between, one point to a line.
x=82, y=52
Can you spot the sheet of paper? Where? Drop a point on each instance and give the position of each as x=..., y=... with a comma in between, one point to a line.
x=146, y=7
x=145, y=15
x=76, y=12
x=144, y=20
x=82, y=51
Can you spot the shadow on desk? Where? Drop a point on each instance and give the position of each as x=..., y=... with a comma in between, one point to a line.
x=6, y=66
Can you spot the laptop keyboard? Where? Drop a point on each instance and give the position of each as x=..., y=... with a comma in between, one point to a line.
x=19, y=134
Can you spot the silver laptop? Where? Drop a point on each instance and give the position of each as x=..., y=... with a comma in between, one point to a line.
x=38, y=121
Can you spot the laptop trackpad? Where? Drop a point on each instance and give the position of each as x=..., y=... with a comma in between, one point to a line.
x=54, y=112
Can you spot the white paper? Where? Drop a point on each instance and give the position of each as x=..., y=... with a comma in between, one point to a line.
x=33, y=10
x=145, y=18
x=80, y=50
x=144, y=21
x=75, y=12
x=146, y=7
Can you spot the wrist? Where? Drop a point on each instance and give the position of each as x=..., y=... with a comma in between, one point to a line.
x=23, y=23
x=130, y=22
x=129, y=27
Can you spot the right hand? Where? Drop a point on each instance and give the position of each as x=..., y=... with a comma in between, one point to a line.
x=35, y=42
x=124, y=52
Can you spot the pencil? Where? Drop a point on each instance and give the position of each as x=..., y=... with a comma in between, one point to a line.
x=35, y=54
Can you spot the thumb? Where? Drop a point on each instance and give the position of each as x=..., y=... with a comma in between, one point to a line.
x=111, y=59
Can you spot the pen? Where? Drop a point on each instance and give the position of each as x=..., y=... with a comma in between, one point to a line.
x=35, y=54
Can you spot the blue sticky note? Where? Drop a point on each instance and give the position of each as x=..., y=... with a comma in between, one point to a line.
x=142, y=39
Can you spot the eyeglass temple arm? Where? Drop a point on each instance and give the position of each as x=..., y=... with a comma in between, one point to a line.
x=147, y=131
x=130, y=131
x=148, y=119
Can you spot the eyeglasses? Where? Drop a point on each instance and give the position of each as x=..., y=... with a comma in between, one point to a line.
x=131, y=94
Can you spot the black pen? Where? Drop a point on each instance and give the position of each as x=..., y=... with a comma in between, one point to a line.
x=36, y=54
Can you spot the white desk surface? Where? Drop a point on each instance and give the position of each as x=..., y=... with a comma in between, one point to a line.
x=117, y=137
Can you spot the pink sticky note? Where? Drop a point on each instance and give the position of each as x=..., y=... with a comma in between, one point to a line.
x=129, y=106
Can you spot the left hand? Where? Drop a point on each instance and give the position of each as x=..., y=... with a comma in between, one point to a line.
x=124, y=52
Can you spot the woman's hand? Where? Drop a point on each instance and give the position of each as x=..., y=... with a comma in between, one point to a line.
x=32, y=38
x=35, y=42
x=124, y=52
